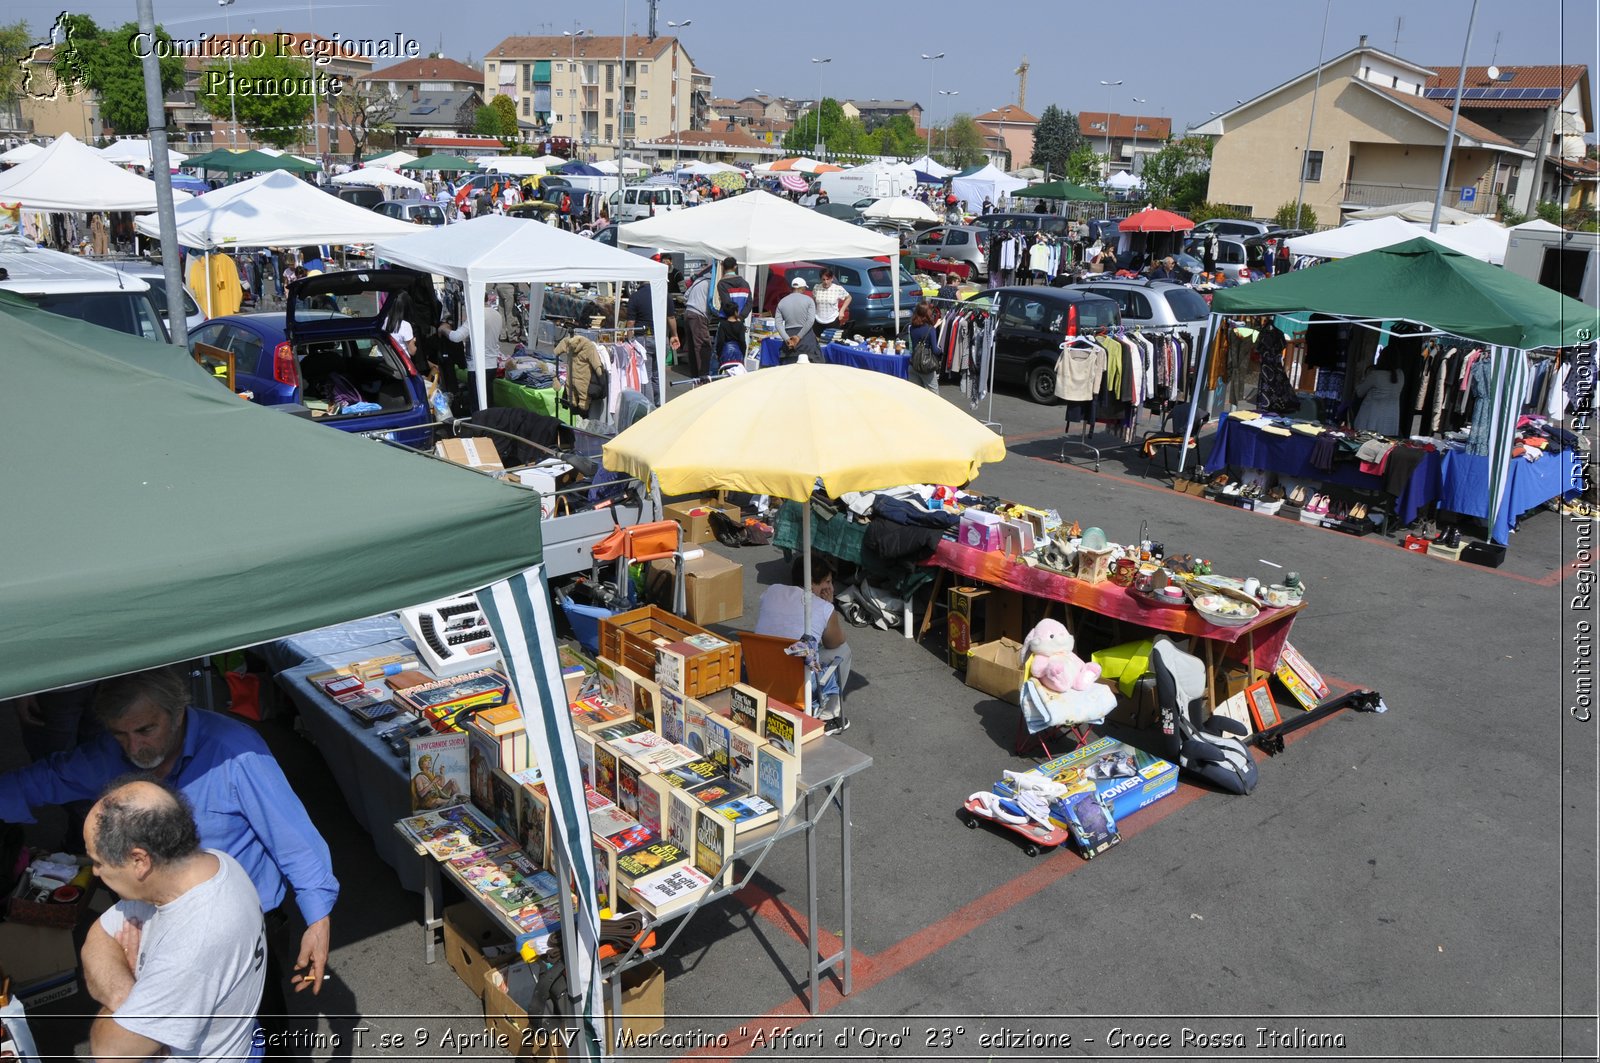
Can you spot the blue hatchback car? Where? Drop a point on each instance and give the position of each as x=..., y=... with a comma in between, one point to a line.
x=332, y=350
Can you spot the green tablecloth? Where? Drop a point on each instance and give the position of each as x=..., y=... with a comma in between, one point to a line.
x=844, y=539
x=503, y=392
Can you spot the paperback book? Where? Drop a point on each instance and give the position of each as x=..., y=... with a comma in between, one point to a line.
x=439, y=776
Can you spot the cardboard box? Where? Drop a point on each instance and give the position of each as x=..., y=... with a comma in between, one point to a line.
x=978, y=615
x=713, y=587
x=476, y=453
x=697, y=526
x=473, y=943
x=996, y=668
x=644, y=1003
x=980, y=530
x=36, y=956
x=1152, y=778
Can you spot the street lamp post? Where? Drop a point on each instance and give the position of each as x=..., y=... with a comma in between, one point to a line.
x=677, y=150
x=931, y=60
x=1109, y=85
x=1133, y=161
x=946, y=145
x=233, y=102
x=575, y=115
x=816, y=145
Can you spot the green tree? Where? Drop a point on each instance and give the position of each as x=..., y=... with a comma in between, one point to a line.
x=486, y=123
x=270, y=93
x=506, y=108
x=108, y=63
x=1549, y=211
x=1085, y=165
x=1284, y=216
x=962, y=142
x=1052, y=140
x=1179, y=171
x=1509, y=215
x=898, y=136
x=15, y=41
x=365, y=114
x=840, y=135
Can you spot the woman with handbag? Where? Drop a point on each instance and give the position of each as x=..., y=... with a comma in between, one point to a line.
x=925, y=360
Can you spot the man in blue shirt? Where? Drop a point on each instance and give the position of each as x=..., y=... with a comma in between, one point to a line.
x=242, y=802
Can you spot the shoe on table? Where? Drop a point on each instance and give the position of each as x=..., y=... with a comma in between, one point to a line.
x=835, y=725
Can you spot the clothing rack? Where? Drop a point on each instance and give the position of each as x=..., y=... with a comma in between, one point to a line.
x=963, y=304
x=1088, y=424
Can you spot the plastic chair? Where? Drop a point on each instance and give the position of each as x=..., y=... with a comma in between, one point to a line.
x=1168, y=436
x=652, y=541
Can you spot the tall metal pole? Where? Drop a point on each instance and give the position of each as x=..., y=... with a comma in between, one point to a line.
x=931, y=60
x=1109, y=86
x=1455, y=115
x=160, y=162
x=622, y=136
x=1311, y=123
x=1133, y=160
x=816, y=145
x=233, y=97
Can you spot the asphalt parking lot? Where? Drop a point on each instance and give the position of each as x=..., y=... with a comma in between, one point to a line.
x=1419, y=884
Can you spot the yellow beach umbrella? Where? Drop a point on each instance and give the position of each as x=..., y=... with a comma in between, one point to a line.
x=777, y=431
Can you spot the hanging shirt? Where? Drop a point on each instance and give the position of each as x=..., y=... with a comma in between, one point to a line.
x=214, y=279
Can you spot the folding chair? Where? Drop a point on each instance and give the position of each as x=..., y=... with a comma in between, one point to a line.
x=654, y=541
x=773, y=670
x=1168, y=436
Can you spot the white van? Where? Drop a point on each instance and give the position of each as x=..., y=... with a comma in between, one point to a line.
x=644, y=201
x=76, y=287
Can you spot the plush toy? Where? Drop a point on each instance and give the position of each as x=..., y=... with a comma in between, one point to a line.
x=1054, y=665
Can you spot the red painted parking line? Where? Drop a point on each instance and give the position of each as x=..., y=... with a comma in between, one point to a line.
x=871, y=971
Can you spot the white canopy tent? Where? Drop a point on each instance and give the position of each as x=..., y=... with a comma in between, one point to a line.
x=274, y=209
x=1354, y=239
x=989, y=183
x=928, y=166
x=1481, y=239
x=1421, y=213
x=69, y=175
x=495, y=249
x=136, y=152
x=626, y=165
x=1537, y=225
x=706, y=169
x=393, y=161
x=1124, y=181
x=520, y=165
x=377, y=177
x=758, y=229
x=20, y=153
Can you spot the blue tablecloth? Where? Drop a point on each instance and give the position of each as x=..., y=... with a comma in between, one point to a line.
x=283, y=654
x=897, y=365
x=1239, y=445
x=1466, y=486
x=372, y=779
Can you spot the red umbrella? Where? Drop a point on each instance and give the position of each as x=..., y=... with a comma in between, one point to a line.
x=1151, y=220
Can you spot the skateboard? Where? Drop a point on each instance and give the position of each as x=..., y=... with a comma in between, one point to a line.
x=1038, y=839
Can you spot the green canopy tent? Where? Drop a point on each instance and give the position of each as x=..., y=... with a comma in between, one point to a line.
x=1421, y=281
x=440, y=162
x=1064, y=190
x=249, y=162
x=178, y=520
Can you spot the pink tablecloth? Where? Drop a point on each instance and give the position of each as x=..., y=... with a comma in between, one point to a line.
x=1265, y=635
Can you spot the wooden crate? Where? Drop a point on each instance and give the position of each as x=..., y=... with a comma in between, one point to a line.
x=630, y=639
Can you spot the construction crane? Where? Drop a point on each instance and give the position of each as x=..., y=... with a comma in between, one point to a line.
x=1022, y=84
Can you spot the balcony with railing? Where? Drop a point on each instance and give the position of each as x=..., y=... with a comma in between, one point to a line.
x=1356, y=195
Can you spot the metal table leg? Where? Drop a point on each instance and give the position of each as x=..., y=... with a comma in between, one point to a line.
x=432, y=921
x=811, y=904
x=844, y=863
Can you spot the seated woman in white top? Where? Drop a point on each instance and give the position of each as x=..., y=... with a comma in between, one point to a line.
x=783, y=614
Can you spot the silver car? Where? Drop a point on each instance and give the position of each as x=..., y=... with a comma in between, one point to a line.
x=963, y=243
x=1153, y=304
x=153, y=274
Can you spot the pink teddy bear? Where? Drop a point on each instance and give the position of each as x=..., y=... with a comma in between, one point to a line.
x=1054, y=663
